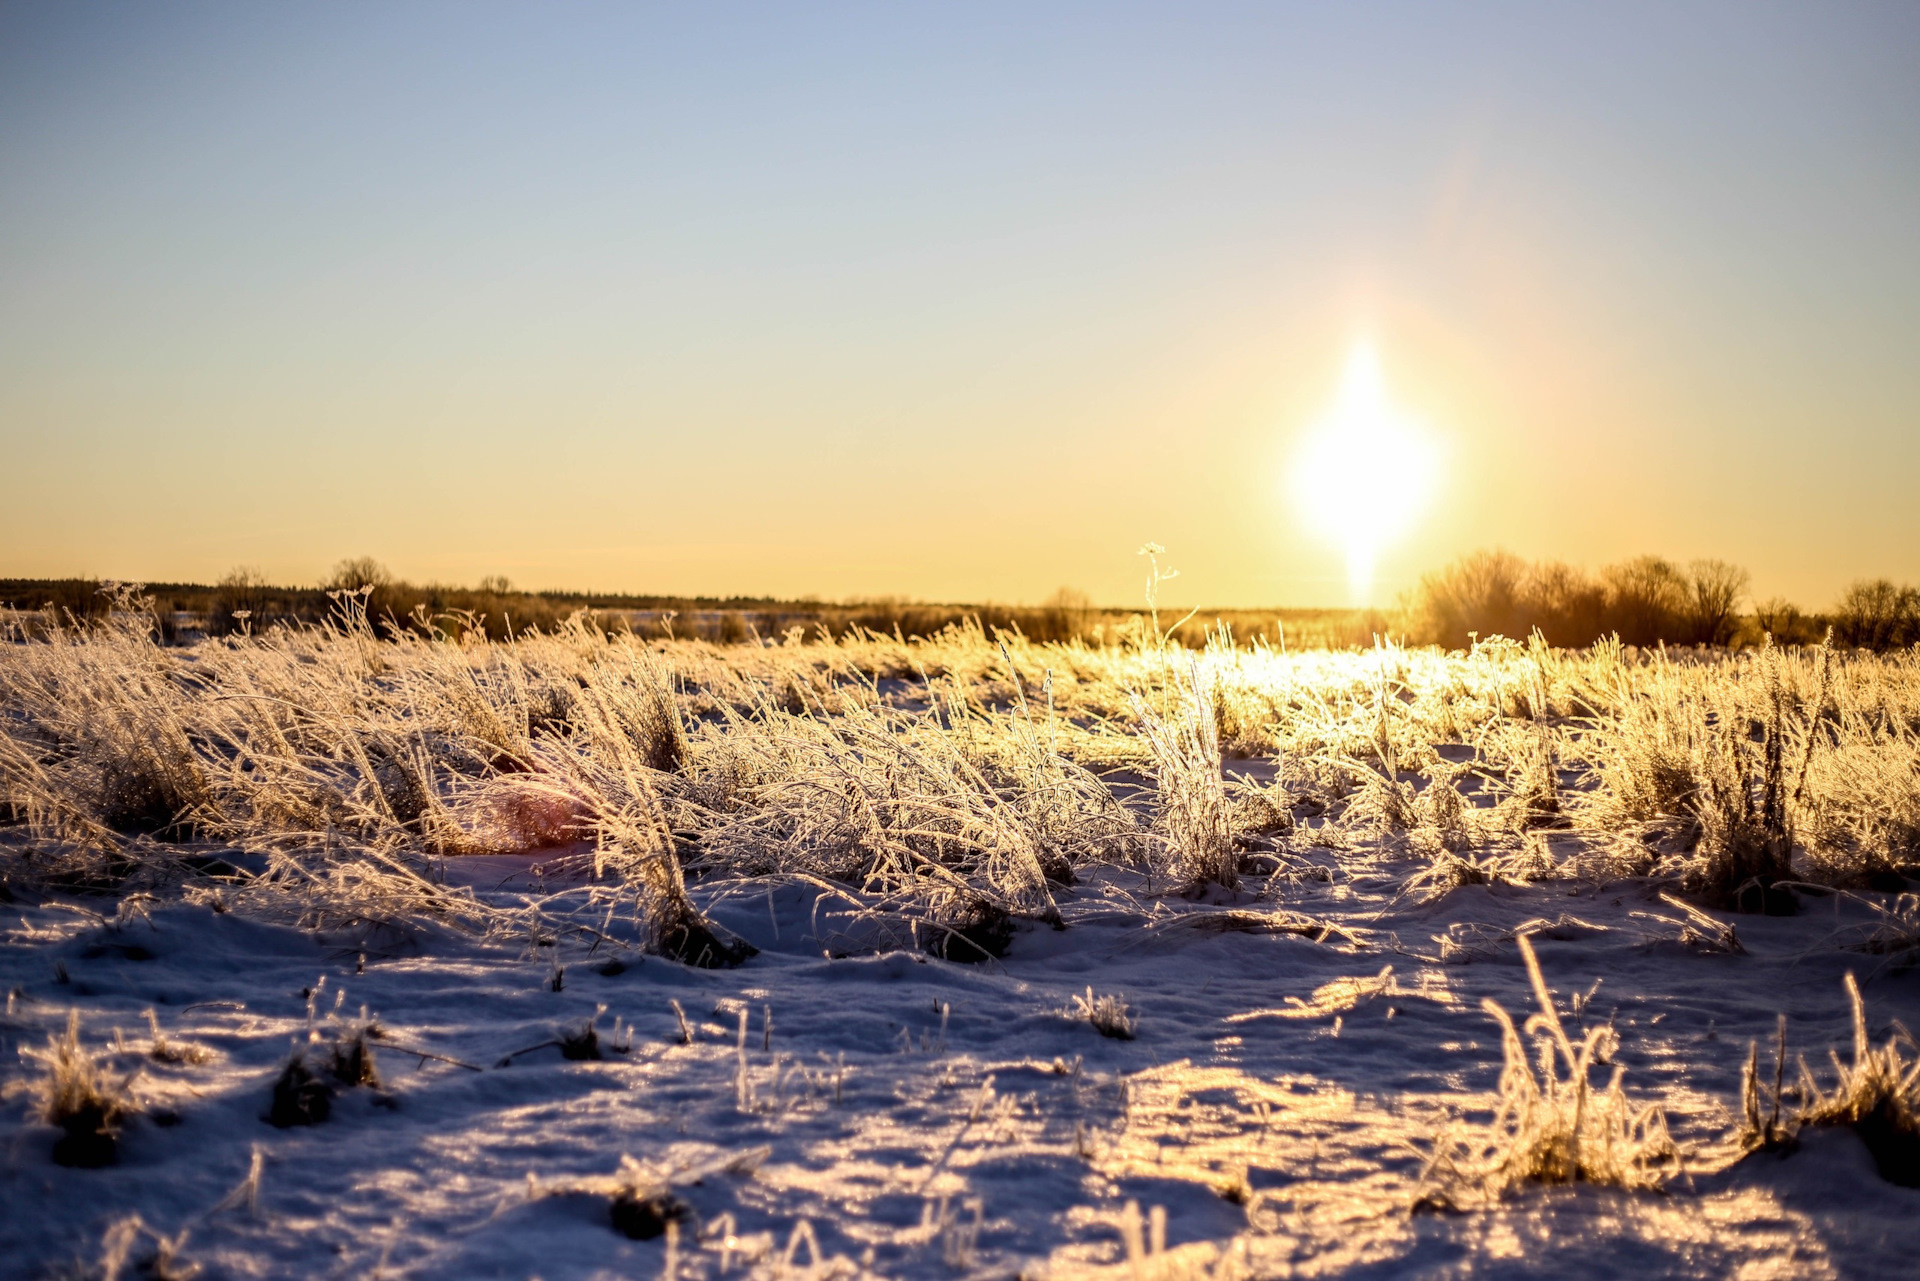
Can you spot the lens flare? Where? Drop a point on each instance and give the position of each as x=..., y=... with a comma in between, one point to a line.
x=1365, y=472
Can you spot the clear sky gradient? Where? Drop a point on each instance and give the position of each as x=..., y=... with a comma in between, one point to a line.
x=950, y=301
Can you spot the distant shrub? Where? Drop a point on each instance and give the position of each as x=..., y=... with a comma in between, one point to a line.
x=1067, y=615
x=1647, y=600
x=240, y=602
x=1712, y=612
x=83, y=599
x=1567, y=605
x=1481, y=594
x=1877, y=615
x=245, y=600
x=1644, y=601
x=357, y=572
x=1786, y=622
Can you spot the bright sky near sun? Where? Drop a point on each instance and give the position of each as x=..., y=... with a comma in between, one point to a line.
x=1364, y=474
x=959, y=302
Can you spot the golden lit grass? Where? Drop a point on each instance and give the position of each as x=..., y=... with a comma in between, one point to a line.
x=1876, y=1094
x=957, y=781
x=952, y=786
x=1551, y=1124
x=1109, y=1014
x=80, y=1095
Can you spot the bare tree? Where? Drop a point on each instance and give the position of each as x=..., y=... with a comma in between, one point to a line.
x=1876, y=614
x=1713, y=613
x=1785, y=621
x=1565, y=604
x=1478, y=594
x=240, y=602
x=1647, y=599
x=356, y=572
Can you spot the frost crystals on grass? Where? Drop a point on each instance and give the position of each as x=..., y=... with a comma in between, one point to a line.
x=80, y=1098
x=1550, y=1125
x=1109, y=1015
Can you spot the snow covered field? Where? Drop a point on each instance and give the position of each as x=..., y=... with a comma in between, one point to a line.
x=506, y=1077
x=899, y=1115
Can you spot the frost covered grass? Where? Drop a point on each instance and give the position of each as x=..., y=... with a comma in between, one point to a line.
x=80, y=1097
x=1876, y=1094
x=1109, y=1014
x=1552, y=1125
x=577, y=867
x=958, y=780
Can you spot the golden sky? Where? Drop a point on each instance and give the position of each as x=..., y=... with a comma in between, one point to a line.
x=959, y=303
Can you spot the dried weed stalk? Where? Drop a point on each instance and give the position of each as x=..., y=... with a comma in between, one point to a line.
x=80, y=1096
x=1550, y=1124
x=1109, y=1014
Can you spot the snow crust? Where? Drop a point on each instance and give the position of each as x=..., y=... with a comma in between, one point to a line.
x=893, y=1114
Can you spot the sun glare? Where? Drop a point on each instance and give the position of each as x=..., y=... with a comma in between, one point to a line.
x=1364, y=473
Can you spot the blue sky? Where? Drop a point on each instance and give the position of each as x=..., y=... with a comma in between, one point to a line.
x=950, y=301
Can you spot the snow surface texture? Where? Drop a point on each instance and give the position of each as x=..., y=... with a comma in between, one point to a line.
x=894, y=1114
x=408, y=1047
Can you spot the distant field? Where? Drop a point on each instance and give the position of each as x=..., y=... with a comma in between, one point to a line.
x=1644, y=602
x=597, y=953
x=188, y=611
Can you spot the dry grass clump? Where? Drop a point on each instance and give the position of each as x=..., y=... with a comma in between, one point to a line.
x=121, y=1255
x=1185, y=742
x=958, y=817
x=643, y=1213
x=1761, y=1125
x=1877, y=1095
x=79, y=1095
x=1893, y=934
x=313, y=1075
x=1551, y=1125
x=353, y=762
x=584, y=1044
x=1860, y=816
x=162, y=1050
x=1716, y=770
x=1109, y=1014
x=1747, y=788
x=955, y=784
x=641, y=1203
x=94, y=751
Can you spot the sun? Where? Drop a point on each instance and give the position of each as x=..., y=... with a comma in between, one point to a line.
x=1365, y=472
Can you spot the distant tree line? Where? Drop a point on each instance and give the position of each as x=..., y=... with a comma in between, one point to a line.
x=1644, y=601
x=244, y=600
x=1876, y=614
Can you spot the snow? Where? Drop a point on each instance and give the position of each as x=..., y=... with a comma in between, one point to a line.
x=908, y=1116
